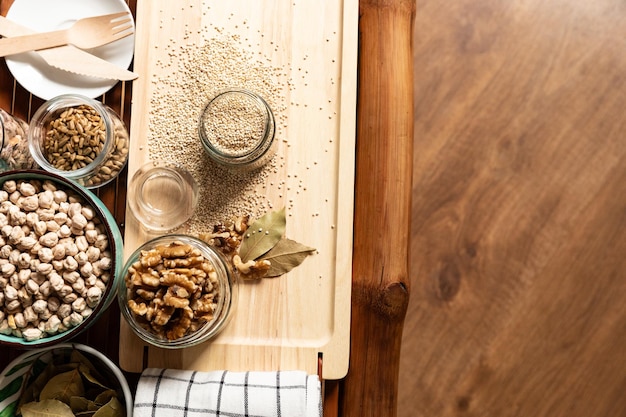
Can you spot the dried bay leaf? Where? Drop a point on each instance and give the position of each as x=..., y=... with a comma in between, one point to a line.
x=63, y=386
x=96, y=380
x=113, y=408
x=46, y=408
x=73, y=379
x=81, y=404
x=286, y=255
x=78, y=404
x=263, y=235
x=77, y=357
x=105, y=396
x=87, y=368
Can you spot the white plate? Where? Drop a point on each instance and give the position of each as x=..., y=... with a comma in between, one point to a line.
x=46, y=82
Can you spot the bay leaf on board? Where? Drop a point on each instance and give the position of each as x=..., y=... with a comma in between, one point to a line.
x=262, y=235
x=285, y=255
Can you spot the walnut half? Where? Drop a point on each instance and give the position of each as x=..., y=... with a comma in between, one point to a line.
x=251, y=269
x=172, y=290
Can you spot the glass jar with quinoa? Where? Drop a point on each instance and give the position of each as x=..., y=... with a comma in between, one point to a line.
x=236, y=129
x=79, y=138
x=14, y=153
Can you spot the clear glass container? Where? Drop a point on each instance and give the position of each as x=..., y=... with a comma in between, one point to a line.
x=79, y=138
x=162, y=195
x=237, y=129
x=167, y=311
x=14, y=152
x=32, y=366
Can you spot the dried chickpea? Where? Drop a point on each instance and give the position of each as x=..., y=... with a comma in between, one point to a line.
x=42, y=291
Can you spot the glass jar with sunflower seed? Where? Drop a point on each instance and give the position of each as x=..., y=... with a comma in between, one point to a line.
x=79, y=138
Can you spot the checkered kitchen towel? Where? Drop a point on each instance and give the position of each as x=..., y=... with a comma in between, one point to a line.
x=173, y=393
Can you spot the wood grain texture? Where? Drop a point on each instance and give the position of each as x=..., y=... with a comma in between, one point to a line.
x=380, y=284
x=274, y=326
x=519, y=211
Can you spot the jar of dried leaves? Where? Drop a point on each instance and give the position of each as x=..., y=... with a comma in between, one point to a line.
x=79, y=138
x=67, y=379
x=14, y=152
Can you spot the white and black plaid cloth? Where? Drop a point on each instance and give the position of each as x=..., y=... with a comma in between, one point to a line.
x=174, y=393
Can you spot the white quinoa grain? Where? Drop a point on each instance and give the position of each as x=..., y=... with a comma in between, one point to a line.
x=195, y=73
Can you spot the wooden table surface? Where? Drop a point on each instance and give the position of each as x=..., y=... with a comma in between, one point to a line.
x=382, y=209
x=518, y=303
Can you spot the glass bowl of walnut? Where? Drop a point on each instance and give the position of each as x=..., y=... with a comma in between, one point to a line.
x=177, y=291
x=61, y=252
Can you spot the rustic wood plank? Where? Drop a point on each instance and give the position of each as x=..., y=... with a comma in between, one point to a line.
x=380, y=284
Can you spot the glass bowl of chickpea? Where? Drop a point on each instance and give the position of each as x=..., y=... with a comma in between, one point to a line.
x=61, y=252
x=177, y=291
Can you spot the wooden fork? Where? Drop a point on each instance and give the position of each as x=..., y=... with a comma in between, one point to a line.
x=85, y=33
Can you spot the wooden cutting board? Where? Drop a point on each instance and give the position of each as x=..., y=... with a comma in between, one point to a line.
x=310, y=46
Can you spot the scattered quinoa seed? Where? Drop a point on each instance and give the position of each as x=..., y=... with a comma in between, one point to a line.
x=195, y=74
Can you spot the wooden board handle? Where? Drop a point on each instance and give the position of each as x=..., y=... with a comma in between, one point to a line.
x=384, y=161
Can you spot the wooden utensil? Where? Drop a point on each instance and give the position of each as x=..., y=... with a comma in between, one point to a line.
x=69, y=58
x=85, y=33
